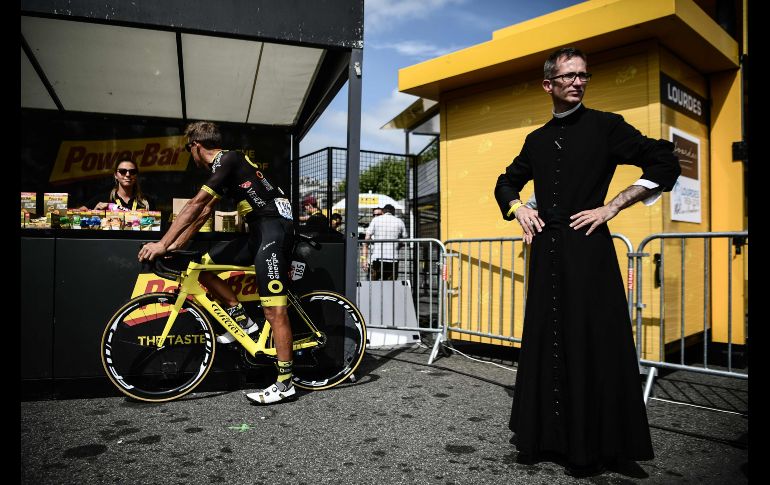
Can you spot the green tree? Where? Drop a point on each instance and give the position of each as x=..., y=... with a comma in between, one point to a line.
x=430, y=154
x=387, y=177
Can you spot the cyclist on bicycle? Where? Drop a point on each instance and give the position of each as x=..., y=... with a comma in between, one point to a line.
x=267, y=246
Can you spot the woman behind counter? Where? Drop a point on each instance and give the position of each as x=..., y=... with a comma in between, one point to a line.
x=126, y=194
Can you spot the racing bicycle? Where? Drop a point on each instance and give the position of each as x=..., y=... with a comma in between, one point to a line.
x=160, y=346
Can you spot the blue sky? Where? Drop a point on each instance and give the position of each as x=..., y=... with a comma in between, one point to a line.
x=400, y=33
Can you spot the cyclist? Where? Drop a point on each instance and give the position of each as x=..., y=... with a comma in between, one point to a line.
x=268, y=244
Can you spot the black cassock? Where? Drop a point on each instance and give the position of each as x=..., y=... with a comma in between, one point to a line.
x=578, y=391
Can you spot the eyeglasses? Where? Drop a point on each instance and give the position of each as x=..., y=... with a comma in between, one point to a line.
x=570, y=77
x=128, y=171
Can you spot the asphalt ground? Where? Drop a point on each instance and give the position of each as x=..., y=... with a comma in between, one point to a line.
x=401, y=422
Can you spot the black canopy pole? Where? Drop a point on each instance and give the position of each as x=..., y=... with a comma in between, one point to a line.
x=353, y=164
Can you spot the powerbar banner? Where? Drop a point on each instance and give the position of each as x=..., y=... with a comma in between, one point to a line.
x=78, y=160
x=244, y=285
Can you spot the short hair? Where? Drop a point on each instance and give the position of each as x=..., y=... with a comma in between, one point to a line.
x=549, y=69
x=389, y=209
x=336, y=216
x=204, y=132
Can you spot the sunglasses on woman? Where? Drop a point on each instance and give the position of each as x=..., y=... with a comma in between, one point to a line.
x=128, y=171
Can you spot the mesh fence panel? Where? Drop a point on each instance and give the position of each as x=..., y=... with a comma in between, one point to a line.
x=322, y=174
x=424, y=202
x=388, y=177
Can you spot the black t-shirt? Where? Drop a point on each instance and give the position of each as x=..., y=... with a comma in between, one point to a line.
x=317, y=222
x=235, y=176
x=130, y=204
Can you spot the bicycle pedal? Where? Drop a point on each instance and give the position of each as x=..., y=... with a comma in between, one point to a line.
x=255, y=362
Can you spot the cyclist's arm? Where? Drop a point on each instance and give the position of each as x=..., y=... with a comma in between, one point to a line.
x=193, y=228
x=186, y=218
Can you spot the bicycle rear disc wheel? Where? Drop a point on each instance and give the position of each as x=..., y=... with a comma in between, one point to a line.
x=344, y=340
x=138, y=367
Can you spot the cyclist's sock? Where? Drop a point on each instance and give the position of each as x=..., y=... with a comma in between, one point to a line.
x=238, y=314
x=285, y=368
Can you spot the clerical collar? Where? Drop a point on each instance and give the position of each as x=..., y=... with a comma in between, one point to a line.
x=567, y=113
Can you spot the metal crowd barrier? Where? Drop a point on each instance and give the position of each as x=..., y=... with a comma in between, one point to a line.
x=404, y=290
x=461, y=259
x=481, y=271
x=735, y=240
x=466, y=285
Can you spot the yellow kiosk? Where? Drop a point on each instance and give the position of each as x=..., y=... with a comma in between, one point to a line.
x=672, y=72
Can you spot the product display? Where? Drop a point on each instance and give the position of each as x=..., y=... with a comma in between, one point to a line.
x=228, y=221
x=29, y=203
x=54, y=201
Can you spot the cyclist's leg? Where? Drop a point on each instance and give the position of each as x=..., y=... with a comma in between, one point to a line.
x=272, y=270
x=237, y=252
x=219, y=288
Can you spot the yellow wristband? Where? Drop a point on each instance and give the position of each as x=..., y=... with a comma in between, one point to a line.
x=513, y=208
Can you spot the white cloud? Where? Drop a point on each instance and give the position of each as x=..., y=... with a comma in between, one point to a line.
x=480, y=23
x=416, y=48
x=381, y=15
x=331, y=129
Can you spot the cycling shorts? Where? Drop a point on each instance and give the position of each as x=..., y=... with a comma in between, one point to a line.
x=268, y=247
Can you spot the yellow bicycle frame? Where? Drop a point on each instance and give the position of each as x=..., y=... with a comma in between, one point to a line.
x=189, y=286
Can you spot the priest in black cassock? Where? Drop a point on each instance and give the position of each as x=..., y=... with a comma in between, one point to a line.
x=578, y=393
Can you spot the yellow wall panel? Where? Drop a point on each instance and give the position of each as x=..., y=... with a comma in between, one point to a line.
x=727, y=202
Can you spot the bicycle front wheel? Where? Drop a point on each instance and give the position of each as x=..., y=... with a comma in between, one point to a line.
x=343, y=343
x=142, y=370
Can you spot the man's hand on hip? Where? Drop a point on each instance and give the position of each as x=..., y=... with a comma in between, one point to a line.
x=594, y=217
x=530, y=222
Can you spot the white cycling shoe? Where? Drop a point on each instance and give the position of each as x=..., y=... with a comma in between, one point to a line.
x=271, y=394
x=228, y=338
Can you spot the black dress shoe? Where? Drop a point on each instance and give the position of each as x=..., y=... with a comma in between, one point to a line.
x=625, y=467
x=525, y=459
x=582, y=471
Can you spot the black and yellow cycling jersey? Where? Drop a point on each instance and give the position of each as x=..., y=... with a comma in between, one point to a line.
x=234, y=175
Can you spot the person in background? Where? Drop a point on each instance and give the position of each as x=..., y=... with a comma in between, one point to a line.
x=126, y=194
x=383, y=263
x=336, y=221
x=314, y=220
